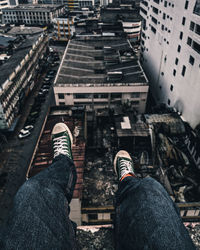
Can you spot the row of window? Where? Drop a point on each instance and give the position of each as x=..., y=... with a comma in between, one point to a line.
x=98, y=95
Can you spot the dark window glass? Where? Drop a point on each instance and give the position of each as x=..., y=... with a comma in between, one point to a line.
x=164, y=15
x=197, y=29
x=196, y=47
x=176, y=61
x=189, y=41
x=179, y=48
x=186, y=4
x=61, y=96
x=197, y=8
x=165, y=3
x=192, y=25
x=171, y=87
x=174, y=72
x=191, y=60
x=168, y=101
x=183, y=70
x=183, y=21
x=181, y=35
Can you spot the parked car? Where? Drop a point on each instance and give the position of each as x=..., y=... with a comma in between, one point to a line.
x=23, y=133
x=34, y=114
x=45, y=86
x=54, y=64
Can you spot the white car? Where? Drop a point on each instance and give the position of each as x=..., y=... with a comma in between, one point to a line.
x=23, y=133
x=28, y=127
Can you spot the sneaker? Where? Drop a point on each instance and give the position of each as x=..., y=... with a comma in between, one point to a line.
x=123, y=164
x=62, y=140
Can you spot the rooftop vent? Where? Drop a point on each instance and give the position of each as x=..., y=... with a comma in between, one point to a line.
x=114, y=76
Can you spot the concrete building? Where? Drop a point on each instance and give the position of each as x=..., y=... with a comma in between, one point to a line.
x=30, y=14
x=63, y=28
x=127, y=15
x=171, y=54
x=100, y=72
x=16, y=78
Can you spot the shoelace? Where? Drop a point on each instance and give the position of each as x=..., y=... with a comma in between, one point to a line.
x=125, y=165
x=61, y=146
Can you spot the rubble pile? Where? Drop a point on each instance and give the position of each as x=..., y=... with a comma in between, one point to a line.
x=100, y=182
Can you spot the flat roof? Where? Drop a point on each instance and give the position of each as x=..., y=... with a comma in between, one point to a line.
x=32, y=7
x=88, y=62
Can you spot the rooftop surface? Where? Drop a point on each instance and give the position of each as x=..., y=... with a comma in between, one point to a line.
x=90, y=61
x=36, y=7
x=44, y=154
x=24, y=30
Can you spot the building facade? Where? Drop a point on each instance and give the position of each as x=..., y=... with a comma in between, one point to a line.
x=16, y=78
x=97, y=73
x=63, y=28
x=170, y=54
x=30, y=14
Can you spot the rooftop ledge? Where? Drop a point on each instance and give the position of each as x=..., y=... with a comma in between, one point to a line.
x=98, y=84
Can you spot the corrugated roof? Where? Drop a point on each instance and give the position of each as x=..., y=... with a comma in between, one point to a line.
x=44, y=155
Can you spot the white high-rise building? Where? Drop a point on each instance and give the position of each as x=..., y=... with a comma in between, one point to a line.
x=170, y=54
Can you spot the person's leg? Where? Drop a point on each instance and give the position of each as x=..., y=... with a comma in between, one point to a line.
x=40, y=215
x=146, y=217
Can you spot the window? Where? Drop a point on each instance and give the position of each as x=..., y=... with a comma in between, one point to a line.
x=179, y=48
x=183, y=70
x=153, y=29
x=189, y=41
x=176, y=61
x=101, y=96
x=192, y=24
x=135, y=95
x=162, y=27
x=197, y=29
x=181, y=35
x=168, y=101
x=155, y=10
x=154, y=20
x=196, y=47
x=61, y=103
x=186, y=4
x=165, y=3
x=116, y=95
x=171, y=87
x=61, y=96
x=183, y=21
x=174, y=72
x=197, y=8
x=82, y=96
x=164, y=16
x=191, y=60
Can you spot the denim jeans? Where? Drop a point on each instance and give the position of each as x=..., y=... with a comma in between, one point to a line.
x=40, y=215
x=147, y=218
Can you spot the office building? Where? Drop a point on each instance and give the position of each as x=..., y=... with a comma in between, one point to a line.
x=17, y=76
x=171, y=54
x=31, y=14
x=100, y=72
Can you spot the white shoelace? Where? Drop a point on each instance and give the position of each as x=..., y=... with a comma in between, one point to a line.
x=125, y=167
x=61, y=146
